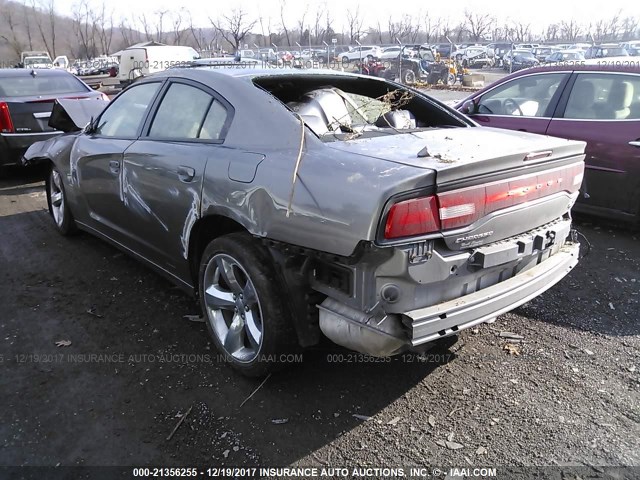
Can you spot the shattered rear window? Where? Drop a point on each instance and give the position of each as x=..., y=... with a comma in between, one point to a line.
x=347, y=107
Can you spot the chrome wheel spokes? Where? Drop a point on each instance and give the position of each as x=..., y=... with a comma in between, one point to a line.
x=233, y=307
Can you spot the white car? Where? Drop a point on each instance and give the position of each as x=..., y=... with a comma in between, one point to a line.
x=476, y=56
x=390, y=53
x=357, y=53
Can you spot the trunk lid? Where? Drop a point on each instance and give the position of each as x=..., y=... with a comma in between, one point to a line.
x=31, y=114
x=457, y=154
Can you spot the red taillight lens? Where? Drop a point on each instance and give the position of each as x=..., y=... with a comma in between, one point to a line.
x=6, y=124
x=416, y=216
x=462, y=207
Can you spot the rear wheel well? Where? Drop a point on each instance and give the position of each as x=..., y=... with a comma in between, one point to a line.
x=203, y=232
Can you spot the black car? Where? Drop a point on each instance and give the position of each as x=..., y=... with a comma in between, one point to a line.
x=26, y=100
x=445, y=50
x=520, y=59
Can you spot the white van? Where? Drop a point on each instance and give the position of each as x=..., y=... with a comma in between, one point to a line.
x=142, y=61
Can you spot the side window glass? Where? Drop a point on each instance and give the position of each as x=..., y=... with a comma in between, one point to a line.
x=525, y=96
x=181, y=113
x=604, y=96
x=214, y=122
x=123, y=117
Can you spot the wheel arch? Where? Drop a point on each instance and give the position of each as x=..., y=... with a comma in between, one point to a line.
x=205, y=230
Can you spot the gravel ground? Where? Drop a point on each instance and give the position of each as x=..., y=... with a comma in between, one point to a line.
x=565, y=393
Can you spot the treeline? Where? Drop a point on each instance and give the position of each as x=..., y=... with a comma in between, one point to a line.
x=93, y=29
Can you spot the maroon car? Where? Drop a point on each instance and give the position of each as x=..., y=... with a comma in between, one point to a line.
x=598, y=102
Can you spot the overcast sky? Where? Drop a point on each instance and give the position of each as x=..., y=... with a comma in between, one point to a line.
x=537, y=12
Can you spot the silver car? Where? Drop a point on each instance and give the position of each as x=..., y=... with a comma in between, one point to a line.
x=297, y=204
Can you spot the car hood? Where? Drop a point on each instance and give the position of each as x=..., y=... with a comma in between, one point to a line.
x=456, y=153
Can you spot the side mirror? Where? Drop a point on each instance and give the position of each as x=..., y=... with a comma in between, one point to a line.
x=469, y=107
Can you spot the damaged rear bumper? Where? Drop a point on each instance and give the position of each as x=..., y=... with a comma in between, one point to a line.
x=447, y=318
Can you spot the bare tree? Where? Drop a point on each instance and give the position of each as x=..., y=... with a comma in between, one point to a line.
x=354, y=22
x=46, y=21
x=283, y=23
x=146, y=27
x=234, y=28
x=478, y=24
x=301, y=29
x=521, y=31
x=196, y=34
x=552, y=33
x=178, y=31
x=13, y=39
x=160, y=14
x=570, y=30
x=26, y=17
x=629, y=28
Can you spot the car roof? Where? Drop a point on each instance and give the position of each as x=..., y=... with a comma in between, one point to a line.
x=23, y=72
x=251, y=73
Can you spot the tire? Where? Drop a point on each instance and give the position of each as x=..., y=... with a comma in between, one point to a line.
x=58, y=204
x=244, y=306
x=345, y=60
x=451, y=79
x=408, y=77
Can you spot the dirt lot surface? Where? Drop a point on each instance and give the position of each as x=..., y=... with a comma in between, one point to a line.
x=567, y=392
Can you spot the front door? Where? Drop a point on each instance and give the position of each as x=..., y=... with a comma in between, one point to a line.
x=96, y=160
x=525, y=103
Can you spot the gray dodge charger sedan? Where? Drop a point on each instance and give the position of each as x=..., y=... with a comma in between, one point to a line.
x=297, y=204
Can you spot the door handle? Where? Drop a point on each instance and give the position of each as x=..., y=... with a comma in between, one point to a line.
x=114, y=166
x=186, y=174
x=635, y=143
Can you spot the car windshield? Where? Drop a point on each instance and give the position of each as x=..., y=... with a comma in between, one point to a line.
x=37, y=85
x=615, y=52
x=36, y=61
x=524, y=55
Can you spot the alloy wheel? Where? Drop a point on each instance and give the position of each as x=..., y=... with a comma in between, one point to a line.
x=56, y=194
x=233, y=307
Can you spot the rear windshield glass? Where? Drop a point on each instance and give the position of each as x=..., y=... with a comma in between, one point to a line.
x=39, y=85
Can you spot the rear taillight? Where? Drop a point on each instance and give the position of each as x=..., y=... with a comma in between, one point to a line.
x=6, y=124
x=462, y=207
x=416, y=216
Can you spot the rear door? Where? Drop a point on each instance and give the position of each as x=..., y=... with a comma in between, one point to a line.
x=163, y=171
x=524, y=103
x=96, y=160
x=603, y=108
